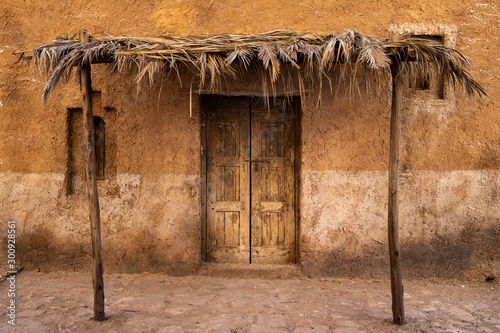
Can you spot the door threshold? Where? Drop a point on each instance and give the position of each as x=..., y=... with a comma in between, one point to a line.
x=251, y=271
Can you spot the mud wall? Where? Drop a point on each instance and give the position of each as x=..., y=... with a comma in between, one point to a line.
x=149, y=198
x=150, y=201
x=449, y=214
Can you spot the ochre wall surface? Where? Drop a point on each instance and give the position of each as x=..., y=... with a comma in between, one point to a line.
x=150, y=203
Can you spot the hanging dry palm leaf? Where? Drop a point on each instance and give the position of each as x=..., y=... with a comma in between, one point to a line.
x=313, y=56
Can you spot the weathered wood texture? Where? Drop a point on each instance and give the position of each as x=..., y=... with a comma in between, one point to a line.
x=228, y=180
x=90, y=172
x=393, y=213
x=250, y=181
x=273, y=183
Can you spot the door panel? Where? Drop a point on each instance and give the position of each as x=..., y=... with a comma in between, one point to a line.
x=272, y=183
x=228, y=192
x=250, y=181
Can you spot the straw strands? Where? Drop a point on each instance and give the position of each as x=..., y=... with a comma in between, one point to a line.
x=303, y=59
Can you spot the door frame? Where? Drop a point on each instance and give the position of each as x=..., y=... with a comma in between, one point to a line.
x=296, y=105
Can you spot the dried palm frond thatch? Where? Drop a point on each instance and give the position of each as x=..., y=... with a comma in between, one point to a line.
x=277, y=54
x=433, y=59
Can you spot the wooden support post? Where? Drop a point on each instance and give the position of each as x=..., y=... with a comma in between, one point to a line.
x=90, y=172
x=393, y=221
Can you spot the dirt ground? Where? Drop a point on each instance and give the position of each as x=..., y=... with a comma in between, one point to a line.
x=206, y=302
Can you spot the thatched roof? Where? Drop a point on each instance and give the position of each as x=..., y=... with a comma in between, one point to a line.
x=306, y=57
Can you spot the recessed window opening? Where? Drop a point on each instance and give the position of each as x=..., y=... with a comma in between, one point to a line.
x=76, y=153
x=434, y=85
x=100, y=152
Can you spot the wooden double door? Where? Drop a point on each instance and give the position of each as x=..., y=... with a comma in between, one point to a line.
x=250, y=180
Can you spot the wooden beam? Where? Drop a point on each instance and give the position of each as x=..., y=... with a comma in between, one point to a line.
x=393, y=214
x=90, y=172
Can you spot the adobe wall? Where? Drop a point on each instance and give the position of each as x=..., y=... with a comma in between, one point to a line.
x=449, y=211
x=150, y=206
x=149, y=200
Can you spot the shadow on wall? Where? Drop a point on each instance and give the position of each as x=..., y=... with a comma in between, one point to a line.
x=39, y=250
x=473, y=255
x=137, y=253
